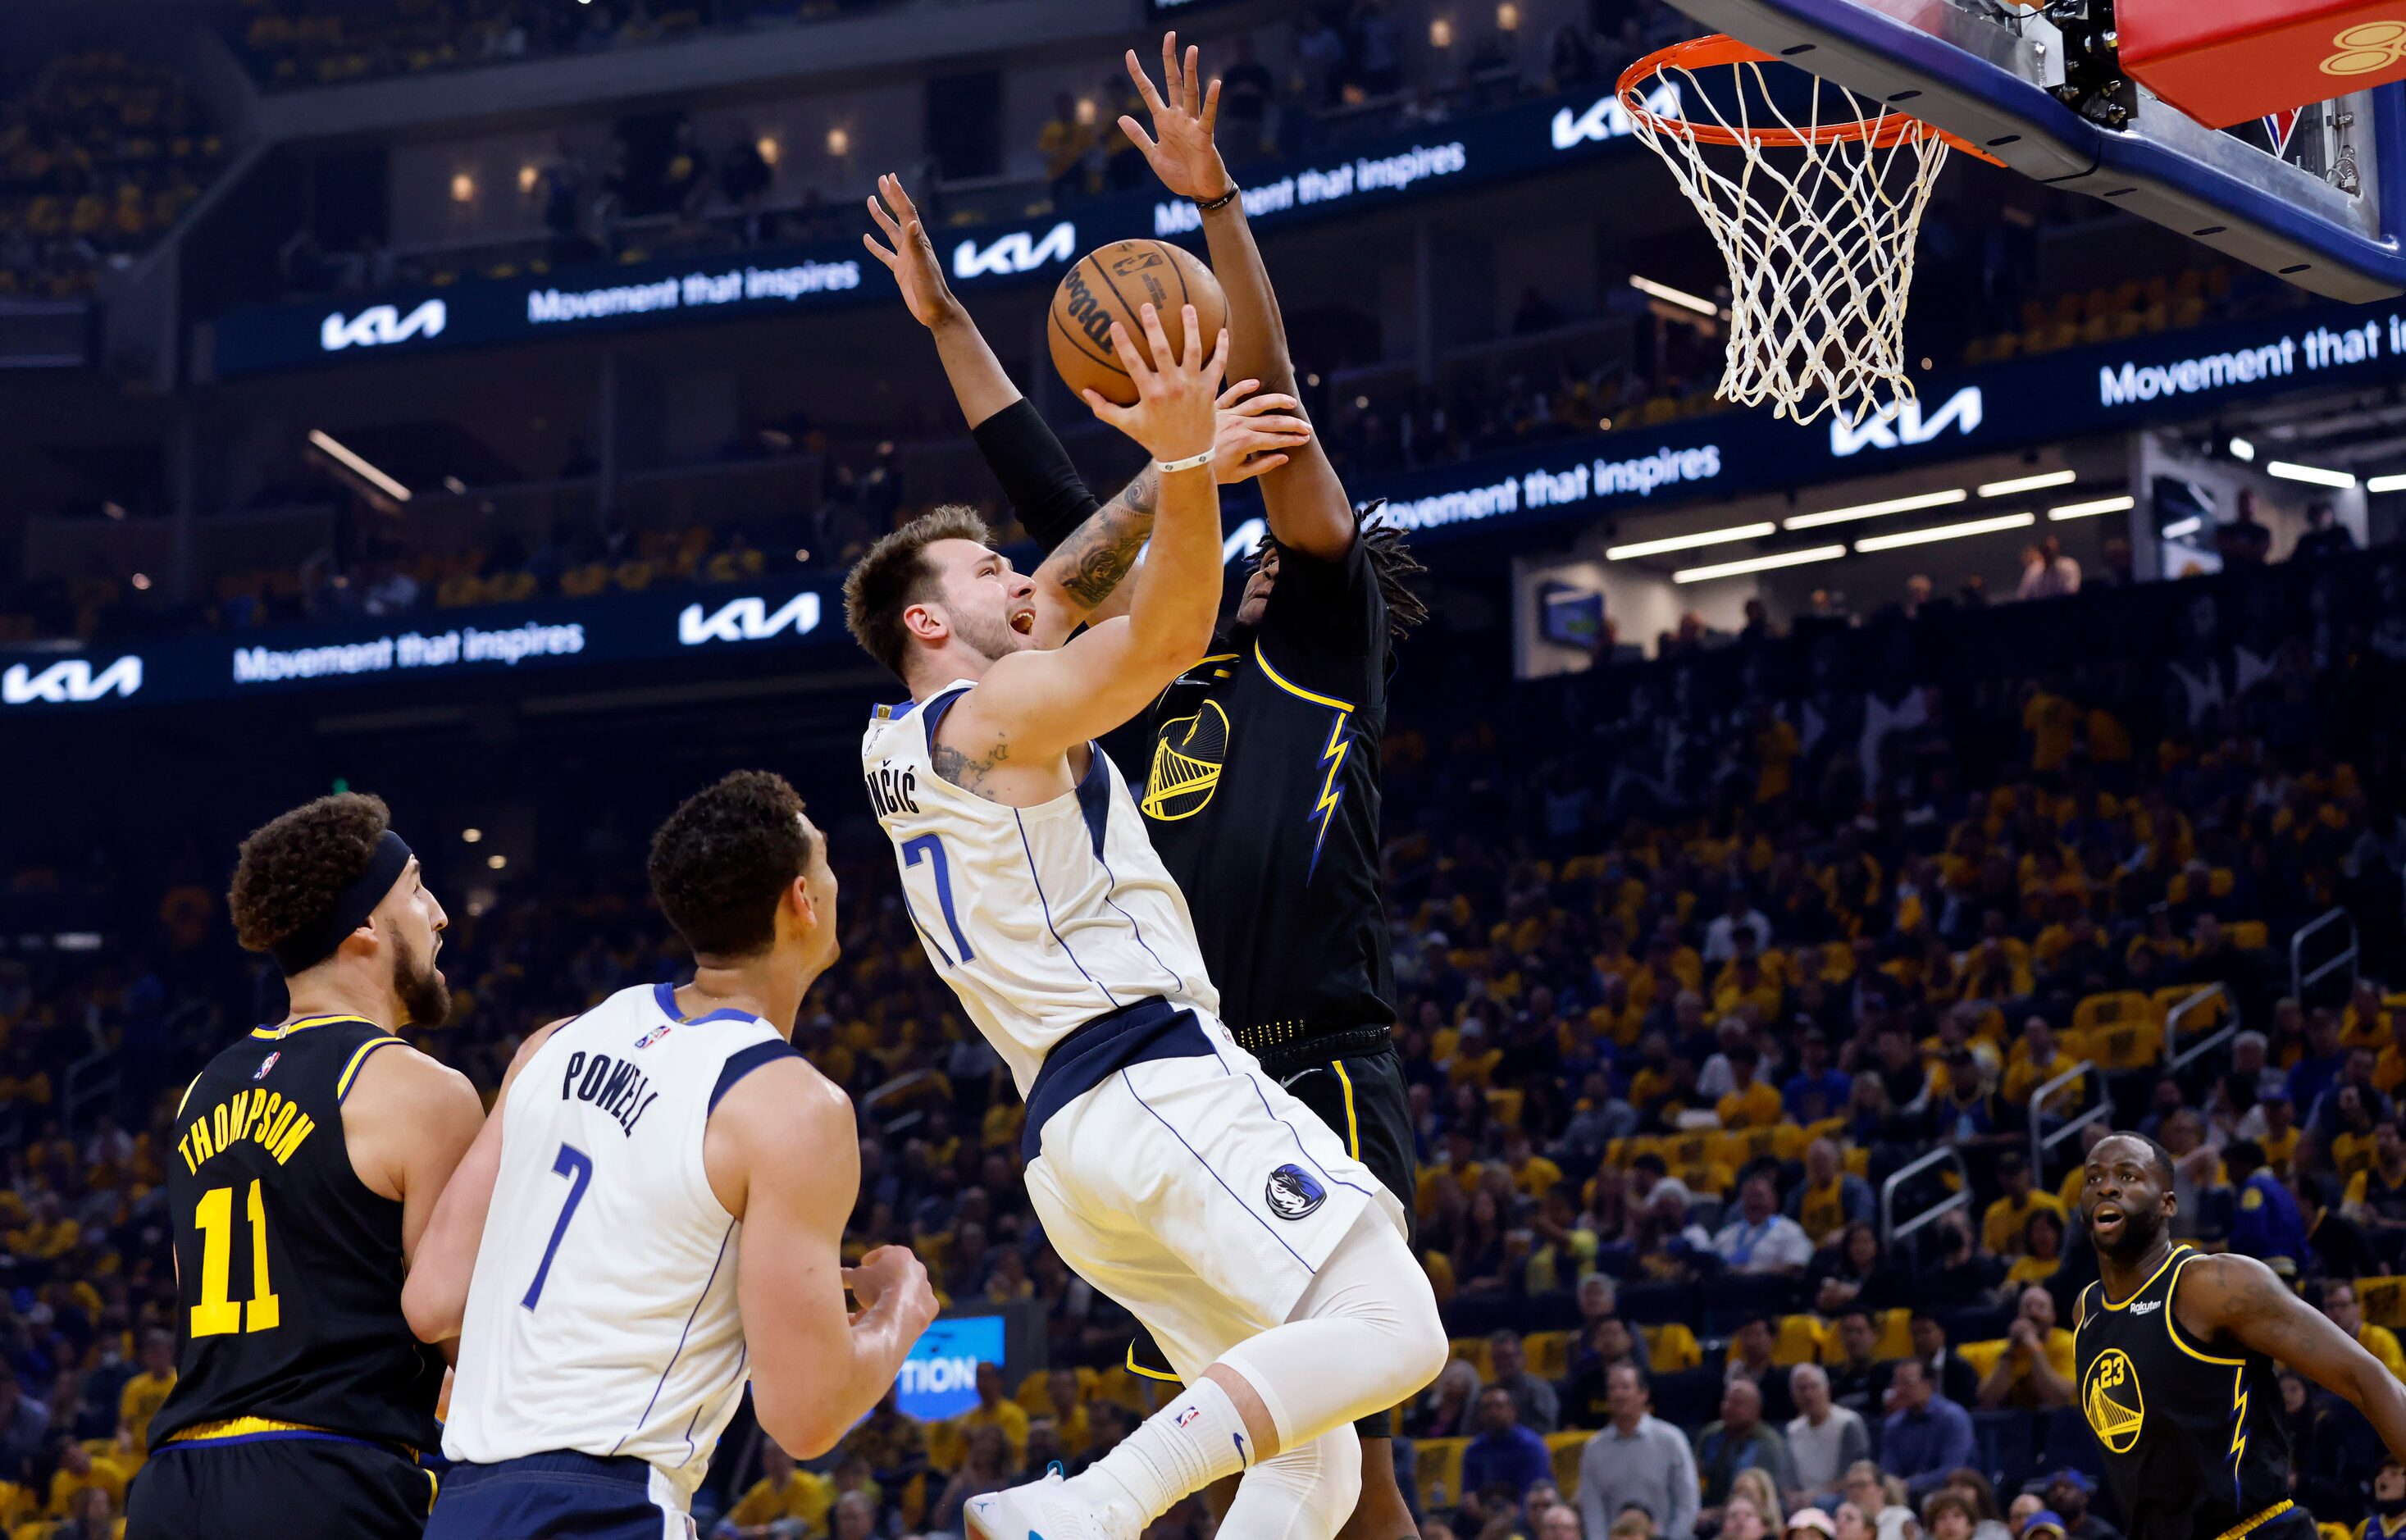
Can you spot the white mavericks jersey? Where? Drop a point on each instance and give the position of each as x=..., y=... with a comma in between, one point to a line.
x=601, y=1315
x=1041, y=918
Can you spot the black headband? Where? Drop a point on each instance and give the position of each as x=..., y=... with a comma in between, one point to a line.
x=316, y=942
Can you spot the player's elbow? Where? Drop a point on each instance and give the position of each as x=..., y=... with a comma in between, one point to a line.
x=797, y=1422
x=434, y=1313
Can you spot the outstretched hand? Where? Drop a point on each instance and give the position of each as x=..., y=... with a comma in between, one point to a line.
x=1175, y=401
x=912, y=258
x=1256, y=428
x=1179, y=147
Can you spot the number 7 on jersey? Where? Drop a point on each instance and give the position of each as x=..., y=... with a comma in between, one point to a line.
x=577, y=1167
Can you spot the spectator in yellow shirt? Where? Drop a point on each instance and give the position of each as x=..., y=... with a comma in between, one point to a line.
x=1069, y=1411
x=1749, y=1103
x=786, y=1503
x=2035, y=1370
x=1533, y=1174
x=147, y=1391
x=993, y=1410
x=2339, y=1302
x=2038, y=1059
x=2052, y=723
x=78, y=1473
x=2007, y=1222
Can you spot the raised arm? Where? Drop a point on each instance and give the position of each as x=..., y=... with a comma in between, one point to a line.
x=1090, y=549
x=2239, y=1298
x=782, y=1153
x=1041, y=703
x=1307, y=505
x=979, y=383
x=434, y=1299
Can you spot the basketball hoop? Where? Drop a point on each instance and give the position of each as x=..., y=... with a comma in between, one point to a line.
x=1815, y=215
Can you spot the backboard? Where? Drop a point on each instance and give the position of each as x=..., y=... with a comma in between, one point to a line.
x=2316, y=198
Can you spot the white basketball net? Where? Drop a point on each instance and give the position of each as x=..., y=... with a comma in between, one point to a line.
x=1818, y=227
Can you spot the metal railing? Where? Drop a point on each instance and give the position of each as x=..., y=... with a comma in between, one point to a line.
x=89, y=1079
x=2043, y=1139
x=2300, y=977
x=1945, y=1154
x=2177, y=1058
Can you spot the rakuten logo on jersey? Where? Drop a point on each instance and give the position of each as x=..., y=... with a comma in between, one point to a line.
x=1906, y=425
x=381, y=325
x=1015, y=252
x=1607, y=119
x=69, y=683
x=748, y=620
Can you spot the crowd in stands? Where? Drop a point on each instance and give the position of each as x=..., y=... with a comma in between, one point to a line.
x=99, y=154
x=1691, y=957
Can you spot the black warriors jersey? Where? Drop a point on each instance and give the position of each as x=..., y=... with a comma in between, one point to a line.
x=1261, y=794
x=288, y=1268
x=2193, y=1438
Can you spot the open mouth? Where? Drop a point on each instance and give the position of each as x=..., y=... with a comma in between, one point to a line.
x=2105, y=1219
x=1024, y=622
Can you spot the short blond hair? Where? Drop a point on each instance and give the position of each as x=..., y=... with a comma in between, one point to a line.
x=893, y=575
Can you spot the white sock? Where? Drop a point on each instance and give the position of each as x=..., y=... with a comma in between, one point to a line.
x=1183, y=1448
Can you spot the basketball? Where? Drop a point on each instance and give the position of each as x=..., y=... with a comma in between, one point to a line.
x=1110, y=284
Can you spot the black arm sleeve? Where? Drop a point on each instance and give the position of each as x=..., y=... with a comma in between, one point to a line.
x=1044, y=489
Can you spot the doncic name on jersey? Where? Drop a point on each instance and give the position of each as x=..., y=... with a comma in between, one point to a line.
x=613, y=1085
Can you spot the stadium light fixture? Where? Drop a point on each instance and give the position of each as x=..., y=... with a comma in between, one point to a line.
x=1680, y=297
x=2028, y=483
x=1945, y=531
x=2092, y=508
x=497, y=861
x=1760, y=564
x=2387, y=484
x=350, y=460
x=1686, y=543
x=470, y=836
x=2184, y=527
x=2313, y=475
x=2242, y=449
x=1873, y=510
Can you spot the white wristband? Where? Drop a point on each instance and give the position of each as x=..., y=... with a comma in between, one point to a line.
x=1189, y=463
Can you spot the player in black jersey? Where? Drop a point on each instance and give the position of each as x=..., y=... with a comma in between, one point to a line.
x=1260, y=765
x=2174, y=1353
x=307, y=1158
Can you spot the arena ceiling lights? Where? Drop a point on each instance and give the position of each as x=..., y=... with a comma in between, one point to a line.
x=2028, y=483
x=350, y=460
x=1945, y=531
x=2100, y=506
x=2387, y=484
x=1873, y=510
x=1680, y=297
x=1760, y=564
x=1688, y=542
x=2312, y=474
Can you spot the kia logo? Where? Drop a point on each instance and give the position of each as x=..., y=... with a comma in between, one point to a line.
x=1607, y=119
x=1904, y=424
x=380, y=326
x=747, y=620
x=1015, y=252
x=69, y=683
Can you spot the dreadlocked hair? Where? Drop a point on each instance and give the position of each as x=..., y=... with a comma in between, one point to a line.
x=1392, y=563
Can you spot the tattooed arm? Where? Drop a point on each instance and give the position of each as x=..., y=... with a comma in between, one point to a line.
x=2233, y=1298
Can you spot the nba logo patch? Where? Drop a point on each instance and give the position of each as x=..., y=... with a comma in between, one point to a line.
x=1294, y=1193
x=267, y=1064
x=652, y=1037
x=1189, y=1415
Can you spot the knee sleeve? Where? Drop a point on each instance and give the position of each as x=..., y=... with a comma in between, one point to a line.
x=1305, y=1494
x=1364, y=1338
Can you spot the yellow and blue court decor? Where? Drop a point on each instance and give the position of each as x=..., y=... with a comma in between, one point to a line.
x=938, y=1380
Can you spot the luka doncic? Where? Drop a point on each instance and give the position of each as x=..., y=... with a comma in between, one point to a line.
x=2174, y=1353
x=307, y=1158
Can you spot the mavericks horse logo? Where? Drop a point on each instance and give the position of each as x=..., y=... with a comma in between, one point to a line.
x=1293, y=1191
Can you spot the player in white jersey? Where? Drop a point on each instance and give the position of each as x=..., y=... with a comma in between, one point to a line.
x=1166, y=1168
x=669, y=1182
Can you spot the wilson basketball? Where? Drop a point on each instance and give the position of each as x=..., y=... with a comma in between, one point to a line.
x=1110, y=284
